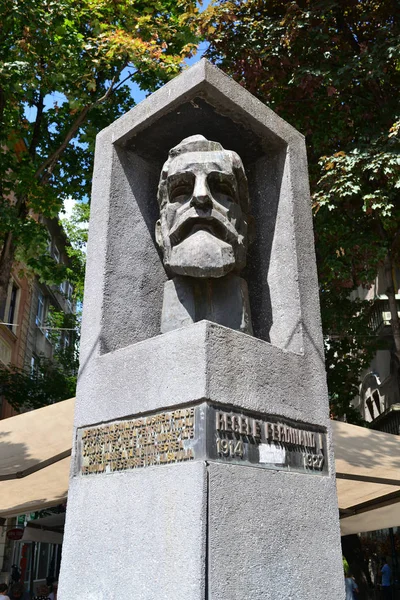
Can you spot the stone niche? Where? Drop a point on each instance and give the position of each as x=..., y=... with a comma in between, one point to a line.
x=210, y=525
x=130, y=153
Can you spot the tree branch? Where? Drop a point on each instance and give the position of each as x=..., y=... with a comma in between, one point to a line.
x=123, y=81
x=49, y=164
x=110, y=90
x=36, y=127
x=51, y=161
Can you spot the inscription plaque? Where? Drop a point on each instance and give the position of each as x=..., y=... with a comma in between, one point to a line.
x=151, y=440
x=267, y=441
x=203, y=432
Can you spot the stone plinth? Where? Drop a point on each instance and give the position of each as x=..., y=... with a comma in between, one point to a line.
x=202, y=464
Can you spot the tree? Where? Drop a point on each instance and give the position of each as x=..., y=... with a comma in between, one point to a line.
x=67, y=63
x=332, y=70
x=76, y=229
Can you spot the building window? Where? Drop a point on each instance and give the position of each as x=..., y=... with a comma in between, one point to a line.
x=377, y=401
x=12, y=310
x=9, y=310
x=374, y=406
x=370, y=407
x=34, y=365
x=56, y=254
x=40, y=311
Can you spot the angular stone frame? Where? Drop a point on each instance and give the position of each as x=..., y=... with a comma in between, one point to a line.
x=129, y=155
x=200, y=530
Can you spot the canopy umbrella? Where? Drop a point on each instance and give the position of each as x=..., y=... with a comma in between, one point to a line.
x=368, y=478
x=34, y=468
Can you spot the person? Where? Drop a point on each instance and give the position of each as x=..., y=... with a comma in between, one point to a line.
x=17, y=591
x=386, y=577
x=350, y=586
x=3, y=591
x=53, y=593
x=42, y=593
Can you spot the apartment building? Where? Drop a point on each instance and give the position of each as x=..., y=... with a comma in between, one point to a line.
x=25, y=335
x=379, y=395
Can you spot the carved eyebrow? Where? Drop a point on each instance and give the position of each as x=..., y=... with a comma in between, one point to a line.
x=195, y=165
x=226, y=176
x=177, y=177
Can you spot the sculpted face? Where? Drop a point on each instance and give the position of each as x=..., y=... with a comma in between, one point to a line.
x=203, y=199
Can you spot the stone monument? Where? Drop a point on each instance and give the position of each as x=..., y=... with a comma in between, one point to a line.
x=202, y=463
x=203, y=233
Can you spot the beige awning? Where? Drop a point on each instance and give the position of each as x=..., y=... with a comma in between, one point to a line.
x=34, y=466
x=35, y=439
x=48, y=529
x=44, y=488
x=368, y=478
x=377, y=518
x=35, y=450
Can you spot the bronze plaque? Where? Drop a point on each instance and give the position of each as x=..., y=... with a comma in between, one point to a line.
x=266, y=441
x=203, y=432
x=156, y=439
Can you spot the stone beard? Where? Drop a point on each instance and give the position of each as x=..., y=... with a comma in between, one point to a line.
x=203, y=235
x=203, y=198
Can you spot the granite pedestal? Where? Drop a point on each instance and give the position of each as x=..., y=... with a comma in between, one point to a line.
x=202, y=465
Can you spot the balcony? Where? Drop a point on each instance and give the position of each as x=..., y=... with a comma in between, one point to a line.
x=380, y=315
x=388, y=421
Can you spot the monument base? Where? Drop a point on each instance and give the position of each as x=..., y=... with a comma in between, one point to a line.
x=202, y=530
x=204, y=498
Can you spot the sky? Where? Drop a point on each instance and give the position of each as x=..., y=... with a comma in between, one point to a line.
x=137, y=95
x=69, y=204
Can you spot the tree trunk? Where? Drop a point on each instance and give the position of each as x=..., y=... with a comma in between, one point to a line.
x=6, y=263
x=391, y=294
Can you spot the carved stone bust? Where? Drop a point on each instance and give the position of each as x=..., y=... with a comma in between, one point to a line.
x=203, y=233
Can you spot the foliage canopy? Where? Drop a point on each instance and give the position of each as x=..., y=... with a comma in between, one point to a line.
x=65, y=66
x=331, y=68
x=64, y=70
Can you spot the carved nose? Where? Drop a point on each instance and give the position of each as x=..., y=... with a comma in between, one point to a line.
x=201, y=196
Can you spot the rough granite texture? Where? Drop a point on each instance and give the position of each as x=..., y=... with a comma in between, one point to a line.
x=125, y=276
x=224, y=300
x=198, y=531
x=271, y=536
x=136, y=536
x=203, y=361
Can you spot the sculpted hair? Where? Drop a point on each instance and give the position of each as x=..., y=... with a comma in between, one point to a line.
x=198, y=143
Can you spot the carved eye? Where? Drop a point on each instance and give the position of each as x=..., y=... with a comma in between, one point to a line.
x=224, y=188
x=180, y=193
x=220, y=187
x=180, y=186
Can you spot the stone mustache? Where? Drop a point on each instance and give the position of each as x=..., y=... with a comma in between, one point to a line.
x=203, y=232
